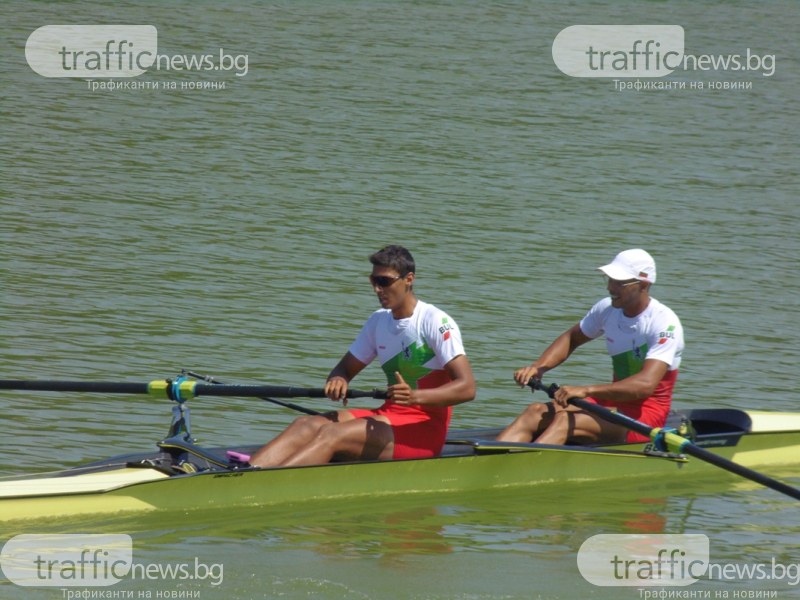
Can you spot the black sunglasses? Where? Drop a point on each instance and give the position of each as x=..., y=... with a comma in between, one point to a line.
x=383, y=281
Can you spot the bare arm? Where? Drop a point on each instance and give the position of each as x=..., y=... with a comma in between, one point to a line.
x=631, y=389
x=555, y=354
x=336, y=385
x=460, y=389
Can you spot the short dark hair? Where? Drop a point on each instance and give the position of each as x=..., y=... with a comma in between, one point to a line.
x=394, y=257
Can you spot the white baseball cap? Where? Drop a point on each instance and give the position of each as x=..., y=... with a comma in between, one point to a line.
x=631, y=264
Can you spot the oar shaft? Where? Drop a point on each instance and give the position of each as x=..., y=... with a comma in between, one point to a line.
x=614, y=417
x=611, y=417
x=100, y=387
x=210, y=389
x=686, y=447
x=187, y=389
x=297, y=407
x=673, y=440
x=737, y=469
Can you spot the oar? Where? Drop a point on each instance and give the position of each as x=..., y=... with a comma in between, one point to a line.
x=674, y=442
x=179, y=389
x=293, y=406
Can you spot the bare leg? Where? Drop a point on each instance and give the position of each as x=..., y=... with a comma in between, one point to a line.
x=293, y=439
x=321, y=439
x=573, y=424
x=530, y=423
x=357, y=439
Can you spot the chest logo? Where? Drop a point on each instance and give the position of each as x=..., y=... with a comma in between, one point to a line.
x=667, y=335
x=445, y=329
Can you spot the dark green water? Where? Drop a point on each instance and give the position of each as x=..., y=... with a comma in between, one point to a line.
x=227, y=231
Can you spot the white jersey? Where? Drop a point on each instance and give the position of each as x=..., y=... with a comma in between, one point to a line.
x=418, y=347
x=654, y=333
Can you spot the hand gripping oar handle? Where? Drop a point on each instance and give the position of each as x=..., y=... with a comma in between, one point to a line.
x=184, y=389
x=674, y=442
x=613, y=417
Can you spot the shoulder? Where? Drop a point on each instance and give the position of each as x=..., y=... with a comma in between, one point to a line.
x=432, y=314
x=602, y=308
x=381, y=313
x=661, y=312
x=439, y=331
x=378, y=316
x=663, y=323
x=595, y=321
x=602, y=304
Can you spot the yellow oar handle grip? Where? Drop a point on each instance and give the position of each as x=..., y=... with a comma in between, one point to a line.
x=179, y=389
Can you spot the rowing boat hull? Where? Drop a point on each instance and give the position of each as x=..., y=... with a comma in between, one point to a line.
x=473, y=465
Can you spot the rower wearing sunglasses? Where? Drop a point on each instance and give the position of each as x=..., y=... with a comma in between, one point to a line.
x=420, y=350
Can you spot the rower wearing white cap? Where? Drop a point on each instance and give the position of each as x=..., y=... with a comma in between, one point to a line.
x=645, y=340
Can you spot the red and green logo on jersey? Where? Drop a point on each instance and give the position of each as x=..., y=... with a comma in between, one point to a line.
x=445, y=329
x=669, y=334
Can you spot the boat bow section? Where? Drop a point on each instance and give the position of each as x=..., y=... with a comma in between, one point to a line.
x=62, y=494
x=87, y=483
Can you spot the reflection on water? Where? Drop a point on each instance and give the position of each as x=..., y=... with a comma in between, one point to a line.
x=514, y=519
x=528, y=531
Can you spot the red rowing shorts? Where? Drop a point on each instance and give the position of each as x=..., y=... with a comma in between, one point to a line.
x=652, y=411
x=418, y=433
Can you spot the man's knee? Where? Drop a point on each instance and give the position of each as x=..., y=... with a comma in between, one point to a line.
x=539, y=410
x=310, y=424
x=330, y=434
